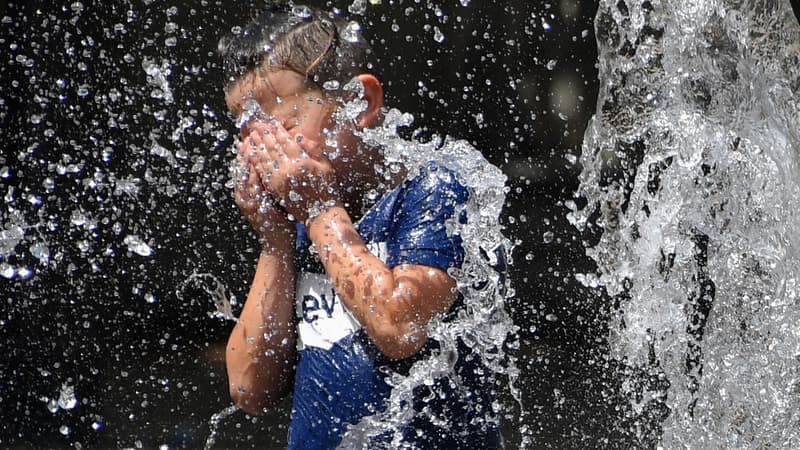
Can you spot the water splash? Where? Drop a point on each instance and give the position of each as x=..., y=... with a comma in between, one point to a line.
x=215, y=421
x=137, y=245
x=223, y=300
x=483, y=325
x=690, y=169
x=157, y=77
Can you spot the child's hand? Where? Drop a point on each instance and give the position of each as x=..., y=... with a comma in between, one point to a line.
x=303, y=185
x=269, y=221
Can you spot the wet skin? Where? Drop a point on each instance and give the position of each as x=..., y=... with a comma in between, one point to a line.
x=286, y=169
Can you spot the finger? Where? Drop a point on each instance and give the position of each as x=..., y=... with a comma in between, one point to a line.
x=273, y=150
x=253, y=183
x=244, y=151
x=244, y=202
x=238, y=168
x=259, y=126
x=247, y=150
x=244, y=174
x=308, y=146
x=285, y=141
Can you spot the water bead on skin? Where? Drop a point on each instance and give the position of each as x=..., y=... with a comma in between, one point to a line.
x=251, y=110
x=266, y=204
x=239, y=172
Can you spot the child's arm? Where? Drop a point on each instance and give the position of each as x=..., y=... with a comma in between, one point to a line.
x=393, y=305
x=260, y=355
x=261, y=350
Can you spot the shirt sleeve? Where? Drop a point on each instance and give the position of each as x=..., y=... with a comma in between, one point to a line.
x=420, y=235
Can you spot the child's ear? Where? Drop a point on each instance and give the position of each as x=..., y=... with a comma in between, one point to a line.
x=373, y=93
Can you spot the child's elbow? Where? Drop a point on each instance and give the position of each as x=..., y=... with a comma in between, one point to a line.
x=252, y=400
x=247, y=398
x=251, y=390
x=400, y=342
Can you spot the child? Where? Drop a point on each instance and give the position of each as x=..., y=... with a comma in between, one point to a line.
x=355, y=257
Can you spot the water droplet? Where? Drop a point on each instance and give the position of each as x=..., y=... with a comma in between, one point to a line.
x=358, y=7
x=301, y=11
x=10, y=237
x=330, y=85
x=351, y=32
x=77, y=218
x=83, y=245
x=136, y=245
x=157, y=77
x=40, y=251
x=438, y=36
x=33, y=199
x=66, y=397
x=52, y=405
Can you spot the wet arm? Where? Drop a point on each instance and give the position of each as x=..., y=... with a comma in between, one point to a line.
x=393, y=305
x=261, y=350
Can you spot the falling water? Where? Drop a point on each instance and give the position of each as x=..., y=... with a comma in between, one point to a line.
x=222, y=299
x=484, y=324
x=214, y=423
x=691, y=171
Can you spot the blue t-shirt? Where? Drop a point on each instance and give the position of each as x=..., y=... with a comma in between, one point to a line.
x=340, y=374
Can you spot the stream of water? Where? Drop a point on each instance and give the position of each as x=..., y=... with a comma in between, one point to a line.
x=690, y=169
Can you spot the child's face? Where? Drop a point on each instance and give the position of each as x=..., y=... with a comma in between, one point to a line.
x=300, y=107
x=303, y=110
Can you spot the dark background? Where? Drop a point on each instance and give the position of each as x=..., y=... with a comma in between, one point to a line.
x=94, y=151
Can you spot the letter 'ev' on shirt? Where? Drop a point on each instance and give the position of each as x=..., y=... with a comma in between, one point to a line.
x=324, y=319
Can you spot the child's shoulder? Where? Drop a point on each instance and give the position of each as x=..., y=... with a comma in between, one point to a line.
x=434, y=176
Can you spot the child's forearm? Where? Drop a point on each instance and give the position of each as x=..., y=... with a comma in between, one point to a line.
x=393, y=305
x=260, y=355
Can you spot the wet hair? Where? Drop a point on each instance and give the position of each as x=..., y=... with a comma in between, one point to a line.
x=312, y=42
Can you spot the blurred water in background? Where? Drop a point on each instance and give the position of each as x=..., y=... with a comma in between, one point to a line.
x=691, y=171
